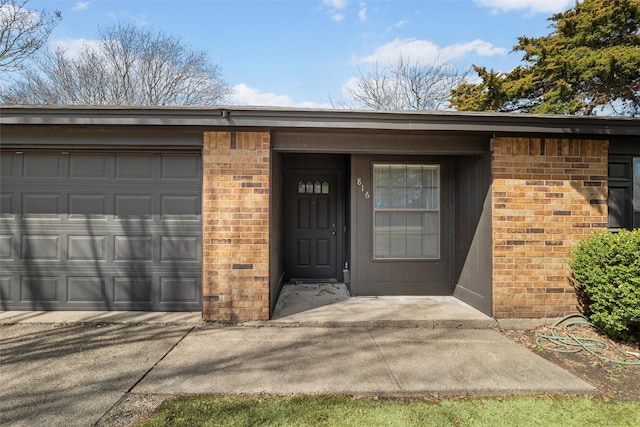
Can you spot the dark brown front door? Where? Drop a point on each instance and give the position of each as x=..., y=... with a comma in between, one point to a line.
x=314, y=226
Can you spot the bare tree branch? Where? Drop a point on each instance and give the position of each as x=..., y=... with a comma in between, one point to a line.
x=22, y=32
x=128, y=66
x=406, y=85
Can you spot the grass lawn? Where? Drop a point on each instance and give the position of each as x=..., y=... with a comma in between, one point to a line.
x=345, y=411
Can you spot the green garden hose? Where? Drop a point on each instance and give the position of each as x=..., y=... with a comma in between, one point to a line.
x=571, y=343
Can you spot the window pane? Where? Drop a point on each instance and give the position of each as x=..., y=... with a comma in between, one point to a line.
x=397, y=176
x=407, y=235
x=431, y=186
x=382, y=234
x=414, y=198
x=407, y=220
x=414, y=235
x=431, y=198
x=381, y=176
x=397, y=234
x=414, y=176
x=431, y=235
x=406, y=186
x=398, y=197
x=619, y=207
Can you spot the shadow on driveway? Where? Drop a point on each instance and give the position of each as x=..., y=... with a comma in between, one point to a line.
x=72, y=375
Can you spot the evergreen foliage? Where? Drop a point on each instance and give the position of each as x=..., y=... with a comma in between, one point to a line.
x=589, y=64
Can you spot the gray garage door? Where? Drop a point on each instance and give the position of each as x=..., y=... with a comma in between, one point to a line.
x=101, y=231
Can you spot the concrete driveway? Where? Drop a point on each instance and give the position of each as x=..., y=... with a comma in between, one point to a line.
x=83, y=374
x=72, y=375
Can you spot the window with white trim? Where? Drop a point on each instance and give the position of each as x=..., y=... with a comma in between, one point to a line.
x=406, y=211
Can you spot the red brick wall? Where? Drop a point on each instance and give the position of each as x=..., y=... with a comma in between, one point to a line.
x=235, y=221
x=547, y=194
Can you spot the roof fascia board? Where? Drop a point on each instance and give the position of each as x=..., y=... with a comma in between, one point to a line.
x=282, y=118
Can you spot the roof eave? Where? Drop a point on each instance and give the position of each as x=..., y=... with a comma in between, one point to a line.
x=289, y=118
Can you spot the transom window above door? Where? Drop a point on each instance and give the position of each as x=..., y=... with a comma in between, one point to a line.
x=406, y=207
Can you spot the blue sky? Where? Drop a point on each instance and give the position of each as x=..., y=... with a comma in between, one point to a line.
x=302, y=53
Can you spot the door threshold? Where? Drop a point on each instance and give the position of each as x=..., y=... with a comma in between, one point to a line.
x=309, y=281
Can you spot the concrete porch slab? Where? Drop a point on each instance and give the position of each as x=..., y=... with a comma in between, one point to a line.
x=329, y=304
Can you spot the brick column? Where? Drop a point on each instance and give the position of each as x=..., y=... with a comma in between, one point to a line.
x=235, y=221
x=547, y=194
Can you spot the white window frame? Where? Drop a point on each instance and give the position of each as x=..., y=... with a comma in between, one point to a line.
x=378, y=209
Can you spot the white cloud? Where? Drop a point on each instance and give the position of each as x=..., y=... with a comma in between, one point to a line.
x=534, y=6
x=362, y=13
x=246, y=95
x=425, y=50
x=477, y=46
x=408, y=48
x=81, y=5
x=348, y=87
x=398, y=24
x=335, y=9
x=72, y=47
x=336, y=4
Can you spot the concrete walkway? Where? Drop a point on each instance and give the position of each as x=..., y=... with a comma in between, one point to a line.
x=80, y=374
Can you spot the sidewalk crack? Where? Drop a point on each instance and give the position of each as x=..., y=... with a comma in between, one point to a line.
x=386, y=362
x=130, y=389
x=160, y=360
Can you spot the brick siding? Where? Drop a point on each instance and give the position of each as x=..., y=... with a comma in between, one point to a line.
x=547, y=194
x=235, y=222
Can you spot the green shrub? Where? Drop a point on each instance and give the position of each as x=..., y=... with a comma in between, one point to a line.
x=606, y=276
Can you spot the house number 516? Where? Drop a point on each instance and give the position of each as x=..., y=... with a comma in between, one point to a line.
x=361, y=185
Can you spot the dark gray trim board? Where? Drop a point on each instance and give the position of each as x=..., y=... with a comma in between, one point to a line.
x=100, y=136
x=379, y=143
x=287, y=118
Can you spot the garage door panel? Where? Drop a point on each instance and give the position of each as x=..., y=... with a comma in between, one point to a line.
x=138, y=289
x=133, y=248
x=130, y=289
x=180, y=207
x=40, y=248
x=87, y=248
x=41, y=165
x=180, y=249
x=85, y=289
x=7, y=208
x=134, y=167
x=41, y=206
x=6, y=284
x=6, y=246
x=115, y=232
x=134, y=205
x=7, y=165
x=178, y=289
x=89, y=166
x=39, y=289
x=180, y=168
x=83, y=205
